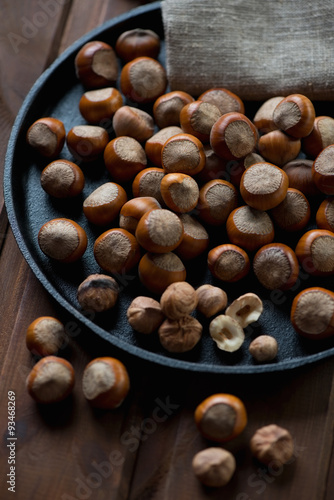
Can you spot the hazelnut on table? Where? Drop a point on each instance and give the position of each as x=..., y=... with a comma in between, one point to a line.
x=263, y=118
x=124, y=157
x=228, y=262
x=180, y=192
x=249, y=228
x=159, y=231
x=154, y=144
x=217, y=199
x=100, y=104
x=143, y=79
x=276, y=266
x=133, y=210
x=315, y=252
x=147, y=183
x=293, y=213
x=102, y=206
x=214, y=467
x=300, y=176
x=278, y=148
x=272, y=445
x=87, y=142
x=45, y=336
x=295, y=115
x=133, y=122
x=325, y=215
x=198, y=117
x=322, y=171
x=322, y=135
x=183, y=153
x=116, y=251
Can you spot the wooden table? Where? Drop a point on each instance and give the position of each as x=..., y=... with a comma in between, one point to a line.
x=144, y=449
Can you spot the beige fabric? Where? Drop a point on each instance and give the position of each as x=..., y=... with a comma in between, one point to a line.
x=255, y=48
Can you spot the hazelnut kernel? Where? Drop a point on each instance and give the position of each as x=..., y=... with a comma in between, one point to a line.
x=263, y=348
x=226, y=333
x=45, y=335
x=180, y=335
x=145, y=315
x=245, y=309
x=98, y=292
x=272, y=443
x=214, y=467
x=178, y=300
x=211, y=300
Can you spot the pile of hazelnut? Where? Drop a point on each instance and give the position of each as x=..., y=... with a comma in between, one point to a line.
x=168, y=186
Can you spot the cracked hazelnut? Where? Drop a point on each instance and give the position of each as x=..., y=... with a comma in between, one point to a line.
x=312, y=313
x=221, y=417
x=227, y=333
x=98, y=292
x=47, y=136
x=245, y=309
x=45, y=336
x=145, y=315
x=51, y=380
x=105, y=382
x=211, y=300
x=264, y=348
x=178, y=300
x=214, y=467
x=180, y=335
x=272, y=443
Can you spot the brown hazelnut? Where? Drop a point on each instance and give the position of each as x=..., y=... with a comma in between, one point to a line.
x=178, y=300
x=124, y=157
x=228, y=262
x=147, y=183
x=300, y=176
x=278, y=148
x=322, y=171
x=137, y=42
x=295, y=115
x=180, y=335
x=249, y=228
x=98, y=292
x=145, y=315
x=62, y=179
x=159, y=231
x=195, y=238
x=198, y=117
x=315, y=252
x=157, y=271
x=272, y=445
x=47, y=136
x=180, y=192
x=263, y=118
x=98, y=105
x=214, y=168
x=211, y=300
x=51, y=380
x=87, y=142
x=116, y=251
x=217, y=199
x=63, y=240
x=96, y=65
x=233, y=136
x=133, y=122
x=264, y=348
x=325, y=215
x=312, y=313
x=293, y=213
x=133, y=210
x=102, y=206
x=183, y=153
x=321, y=136
x=225, y=100
x=154, y=144
x=276, y=266
x=167, y=108
x=143, y=79
x=45, y=336
x=214, y=467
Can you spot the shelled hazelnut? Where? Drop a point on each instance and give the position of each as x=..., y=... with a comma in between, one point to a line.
x=278, y=148
x=293, y=213
x=299, y=172
x=276, y=266
x=178, y=300
x=325, y=215
x=137, y=42
x=195, y=238
x=233, y=136
x=45, y=336
x=198, y=117
x=272, y=444
x=180, y=335
x=62, y=179
x=263, y=348
x=167, y=108
x=225, y=100
x=264, y=186
x=133, y=210
x=263, y=118
x=226, y=333
x=154, y=144
x=157, y=271
x=102, y=206
x=183, y=153
x=105, y=382
x=211, y=300
x=143, y=79
x=214, y=168
x=246, y=309
x=312, y=313
x=249, y=228
x=124, y=157
x=46, y=136
x=147, y=183
x=159, y=231
x=221, y=417
x=321, y=136
x=133, y=122
x=145, y=315
x=322, y=170
x=98, y=293
x=228, y=262
x=96, y=65
x=217, y=199
x=51, y=380
x=87, y=142
x=63, y=240
x=295, y=115
x=116, y=251
x=98, y=105
x=315, y=252
x=180, y=192
x=214, y=467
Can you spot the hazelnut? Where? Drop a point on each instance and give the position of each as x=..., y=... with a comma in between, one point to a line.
x=167, y=108
x=321, y=136
x=143, y=79
x=276, y=266
x=315, y=252
x=221, y=417
x=293, y=213
x=87, y=142
x=178, y=300
x=214, y=168
x=198, y=117
x=211, y=300
x=147, y=183
x=124, y=158
x=225, y=100
x=245, y=309
x=47, y=136
x=159, y=231
x=180, y=192
x=272, y=444
x=137, y=42
x=96, y=65
x=63, y=240
x=295, y=115
x=278, y=147
x=226, y=333
x=233, y=136
x=312, y=313
x=322, y=170
x=45, y=336
x=300, y=176
x=263, y=118
x=98, y=292
x=249, y=228
x=62, y=179
x=105, y=383
x=116, y=251
x=217, y=199
x=102, y=206
x=51, y=380
x=154, y=144
x=228, y=262
x=133, y=210
x=264, y=348
x=100, y=104
x=325, y=215
x=183, y=153
x=236, y=169
x=145, y=315
x=214, y=467
x=133, y=122
x=180, y=335
x=195, y=238
x=157, y=271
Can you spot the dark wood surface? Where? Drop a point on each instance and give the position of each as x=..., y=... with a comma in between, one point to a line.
x=144, y=449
